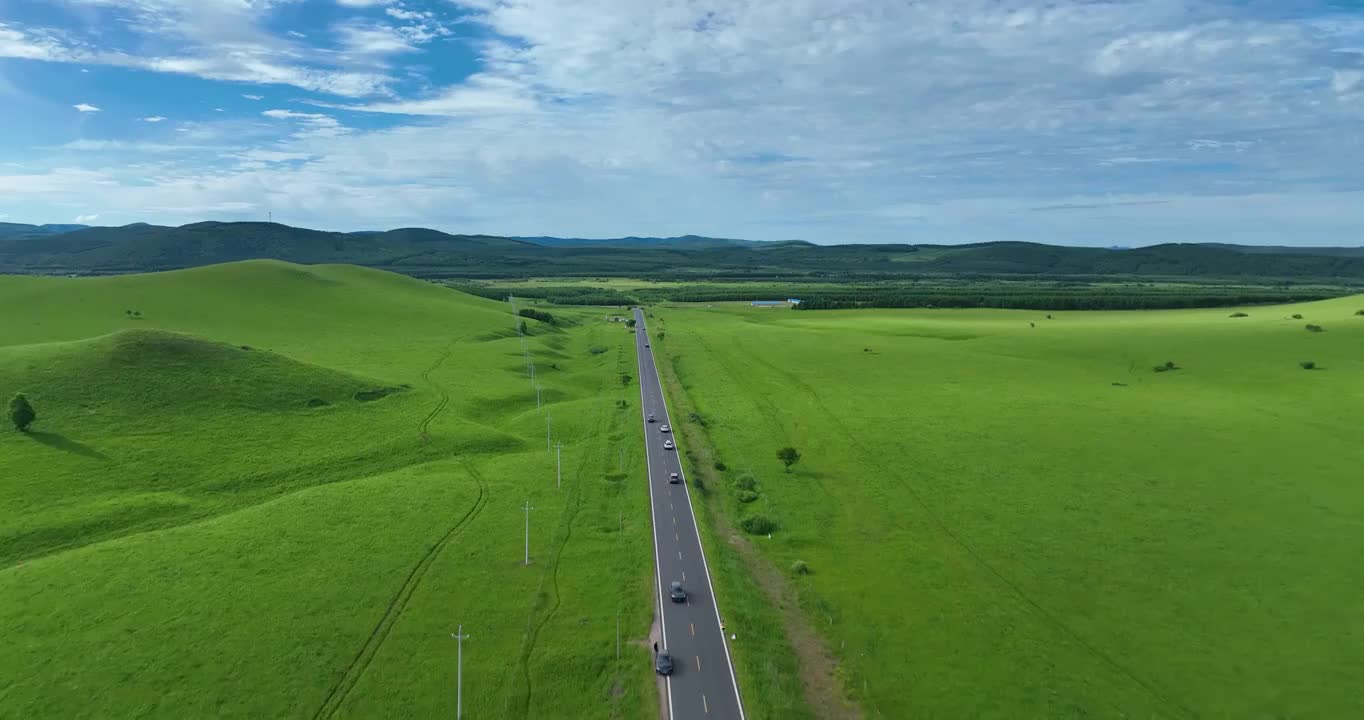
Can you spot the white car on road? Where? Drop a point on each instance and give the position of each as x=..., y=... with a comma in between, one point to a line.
x=667, y=444
x=665, y=428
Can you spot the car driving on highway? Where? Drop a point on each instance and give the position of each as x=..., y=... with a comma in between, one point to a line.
x=651, y=417
x=677, y=593
x=663, y=664
x=665, y=428
x=667, y=444
x=673, y=478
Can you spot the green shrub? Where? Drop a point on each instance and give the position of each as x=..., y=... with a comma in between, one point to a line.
x=758, y=524
x=597, y=349
x=1314, y=328
x=720, y=466
x=697, y=418
x=21, y=412
x=1359, y=312
x=1167, y=367
x=1307, y=365
x=1297, y=317
x=800, y=568
x=1239, y=314
x=746, y=481
x=747, y=496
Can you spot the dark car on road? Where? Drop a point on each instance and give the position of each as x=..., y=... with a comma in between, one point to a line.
x=663, y=664
x=651, y=417
x=677, y=593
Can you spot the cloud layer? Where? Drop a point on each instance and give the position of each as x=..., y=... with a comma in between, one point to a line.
x=833, y=120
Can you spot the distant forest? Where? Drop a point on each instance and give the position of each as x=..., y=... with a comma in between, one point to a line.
x=1007, y=274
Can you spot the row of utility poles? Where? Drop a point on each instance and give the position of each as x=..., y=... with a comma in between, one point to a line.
x=550, y=445
x=558, y=448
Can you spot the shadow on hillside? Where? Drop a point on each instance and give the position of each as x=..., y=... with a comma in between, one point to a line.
x=61, y=442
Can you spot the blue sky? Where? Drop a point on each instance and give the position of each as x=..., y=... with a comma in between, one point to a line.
x=1070, y=121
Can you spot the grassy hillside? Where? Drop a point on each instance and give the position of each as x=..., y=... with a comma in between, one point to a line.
x=1013, y=515
x=267, y=490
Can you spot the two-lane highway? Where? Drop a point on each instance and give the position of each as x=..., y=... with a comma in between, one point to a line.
x=703, y=684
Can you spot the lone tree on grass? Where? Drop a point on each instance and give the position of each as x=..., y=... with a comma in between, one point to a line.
x=21, y=412
x=788, y=456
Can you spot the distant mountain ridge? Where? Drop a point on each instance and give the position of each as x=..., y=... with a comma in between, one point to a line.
x=422, y=252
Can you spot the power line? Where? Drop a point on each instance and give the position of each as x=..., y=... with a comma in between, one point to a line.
x=559, y=461
x=527, y=507
x=459, y=670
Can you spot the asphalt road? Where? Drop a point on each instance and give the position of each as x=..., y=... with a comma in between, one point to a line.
x=703, y=684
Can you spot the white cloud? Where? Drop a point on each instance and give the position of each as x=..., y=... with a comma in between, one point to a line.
x=479, y=95
x=153, y=119
x=291, y=115
x=254, y=97
x=372, y=39
x=85, y=108
x=1345, y=81
x=217, y=41
x=829, y=119
x=410, y=15
x=363, y=3
x=86, y=219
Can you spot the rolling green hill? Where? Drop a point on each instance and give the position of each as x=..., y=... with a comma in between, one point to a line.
x=268, y=490
x=429, y=253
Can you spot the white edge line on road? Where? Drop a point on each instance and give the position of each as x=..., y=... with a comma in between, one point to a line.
x=724, y=641
x=649, y=479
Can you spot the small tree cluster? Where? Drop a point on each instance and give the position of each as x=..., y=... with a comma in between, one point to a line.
x=1239, y=315
x=1167, y=367
x=534, y=314
x=133, y=313
x=1297, y=316
x=1314, y=328
x=758, y=524
x=1307, y=365
x=788, y=456
x=800, y=568
x=1359, y=312
x=21, y=412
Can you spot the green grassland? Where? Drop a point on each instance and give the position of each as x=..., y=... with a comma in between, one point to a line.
x=269, y=490
x=1010, y=515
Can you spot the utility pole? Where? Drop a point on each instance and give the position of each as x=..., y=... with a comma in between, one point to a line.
x=459, y=667
x=527, y=507
x=559, y=460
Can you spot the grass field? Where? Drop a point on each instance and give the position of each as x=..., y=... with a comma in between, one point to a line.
x=1010, y=515
x=268, y=490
